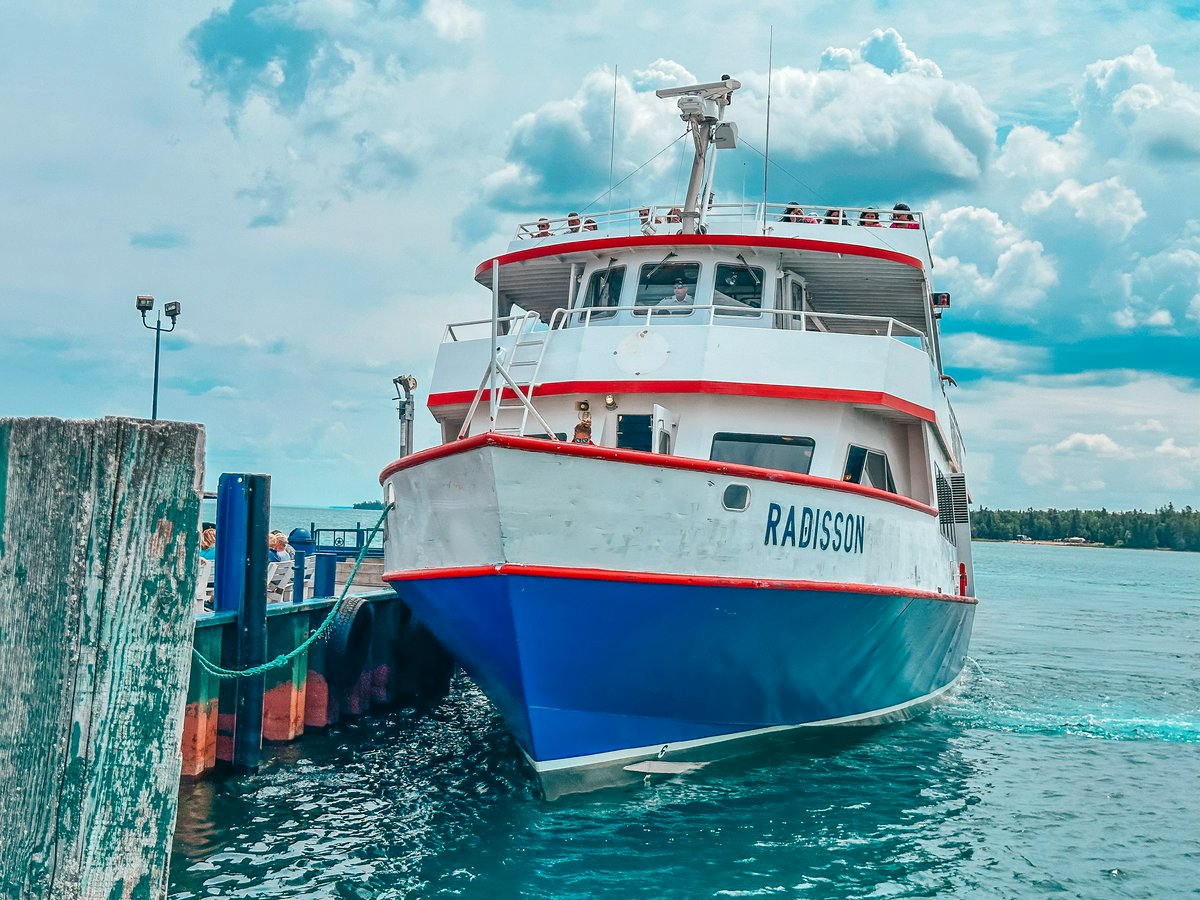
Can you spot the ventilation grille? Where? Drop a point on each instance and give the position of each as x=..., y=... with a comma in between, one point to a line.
x=960, y=497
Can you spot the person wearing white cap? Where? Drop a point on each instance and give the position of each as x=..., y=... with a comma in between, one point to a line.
x=679, y=296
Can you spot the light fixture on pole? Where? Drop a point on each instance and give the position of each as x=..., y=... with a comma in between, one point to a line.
x=405, y=385
x=144, y=304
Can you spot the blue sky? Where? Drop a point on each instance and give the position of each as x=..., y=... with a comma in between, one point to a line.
x=315, y=180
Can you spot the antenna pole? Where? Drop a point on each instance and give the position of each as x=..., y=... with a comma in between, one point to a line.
x=612, y=148
x=767, y=147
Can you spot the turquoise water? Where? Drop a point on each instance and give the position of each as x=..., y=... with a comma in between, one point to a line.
x=1068, y=764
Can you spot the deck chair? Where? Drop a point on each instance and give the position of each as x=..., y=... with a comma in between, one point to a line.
x=278, y=580
x=204, y=575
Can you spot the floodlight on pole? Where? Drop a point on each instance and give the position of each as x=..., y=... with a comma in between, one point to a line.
x=144, y=303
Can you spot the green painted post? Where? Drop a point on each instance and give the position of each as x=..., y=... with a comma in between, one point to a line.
x=99, y=530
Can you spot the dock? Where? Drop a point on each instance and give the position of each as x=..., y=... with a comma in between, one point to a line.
x=120, y=681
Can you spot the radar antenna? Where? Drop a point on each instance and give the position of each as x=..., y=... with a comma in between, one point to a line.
x=702, y=106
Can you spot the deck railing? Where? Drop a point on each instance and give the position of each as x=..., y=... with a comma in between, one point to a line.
x=743, y=218
x=722, y=315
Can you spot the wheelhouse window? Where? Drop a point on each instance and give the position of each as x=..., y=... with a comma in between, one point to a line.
x=869, y=467
x=670, y=287
x=603, y=292
x=739, y=286
x=787, y=453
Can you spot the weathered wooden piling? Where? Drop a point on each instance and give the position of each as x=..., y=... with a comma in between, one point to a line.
x=98, y=524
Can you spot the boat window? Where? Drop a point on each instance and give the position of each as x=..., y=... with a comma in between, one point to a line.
x=736, y=497
x=657, y=287
x=603, y=292
x=869, y=467
x=787, y=453
x=738, y=286
x=634, y=432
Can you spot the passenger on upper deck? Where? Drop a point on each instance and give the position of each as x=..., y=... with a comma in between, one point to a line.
x=794, y=213
x=590, y=225
x=835, y=217
x=573, y=223
x=583, y=433
x=543, y=228
x=870, y=218
x=902, y=218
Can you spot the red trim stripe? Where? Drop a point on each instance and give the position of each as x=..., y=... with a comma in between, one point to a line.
x=642, y=458
x=769, y=584
x=727, y=388
x=483, y=270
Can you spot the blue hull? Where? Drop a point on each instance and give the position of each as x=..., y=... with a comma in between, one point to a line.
x=584, y=667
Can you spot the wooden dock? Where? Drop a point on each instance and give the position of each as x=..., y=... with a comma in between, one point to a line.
x=97, y=546
x=107, y=700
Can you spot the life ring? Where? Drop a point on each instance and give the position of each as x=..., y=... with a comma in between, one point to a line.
x=348, y=644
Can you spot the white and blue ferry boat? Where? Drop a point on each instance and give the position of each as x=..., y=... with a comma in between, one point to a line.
x=768, y=530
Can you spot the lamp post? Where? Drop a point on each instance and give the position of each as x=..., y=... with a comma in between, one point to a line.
x=144, y=304
x=405, y=385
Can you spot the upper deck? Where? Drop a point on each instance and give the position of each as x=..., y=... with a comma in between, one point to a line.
x=747, y=258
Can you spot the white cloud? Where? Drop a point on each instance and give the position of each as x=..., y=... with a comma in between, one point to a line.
x=223, y=390
x=1135, y=100
x=454, y=20
x=1107, y=207
x=1092, y=443
x=990, y=263
x=976, y=351
x=1045, y=432
x=1168, y=448
x=1030, y=153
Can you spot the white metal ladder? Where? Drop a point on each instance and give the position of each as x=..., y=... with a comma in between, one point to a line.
x=517, y=366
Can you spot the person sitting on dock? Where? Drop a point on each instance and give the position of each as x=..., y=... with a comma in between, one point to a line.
x=583, y=433
x=208, y=543
x=277, y=548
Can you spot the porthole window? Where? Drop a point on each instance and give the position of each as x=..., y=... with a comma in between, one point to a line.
x=736, y=497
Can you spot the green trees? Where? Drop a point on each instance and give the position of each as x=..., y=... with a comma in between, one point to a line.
x=1166, y=528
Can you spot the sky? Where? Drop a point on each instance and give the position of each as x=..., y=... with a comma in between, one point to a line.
x=316, y=180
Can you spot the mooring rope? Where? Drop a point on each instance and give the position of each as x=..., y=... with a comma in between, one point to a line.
x=213, y=669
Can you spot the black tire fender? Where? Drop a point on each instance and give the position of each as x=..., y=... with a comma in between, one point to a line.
x=349, y=642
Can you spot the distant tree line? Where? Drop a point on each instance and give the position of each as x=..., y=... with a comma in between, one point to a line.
x=369, y=504
x=1166, y=528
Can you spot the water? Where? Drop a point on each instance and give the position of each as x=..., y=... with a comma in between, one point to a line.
x=1068, y=764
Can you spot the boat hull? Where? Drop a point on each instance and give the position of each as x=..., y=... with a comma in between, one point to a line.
x=605, y=637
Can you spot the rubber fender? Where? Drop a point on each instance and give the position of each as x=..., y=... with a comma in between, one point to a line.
x=349, y=642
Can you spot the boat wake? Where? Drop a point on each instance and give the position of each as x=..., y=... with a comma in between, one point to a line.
x=986, y=701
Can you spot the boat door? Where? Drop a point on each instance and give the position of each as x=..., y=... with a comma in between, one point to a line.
x=664, y=423
x=791, y=298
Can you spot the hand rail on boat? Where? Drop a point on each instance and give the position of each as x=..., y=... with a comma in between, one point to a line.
x=449, y=335
x=807, y=320
x=734, y=217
